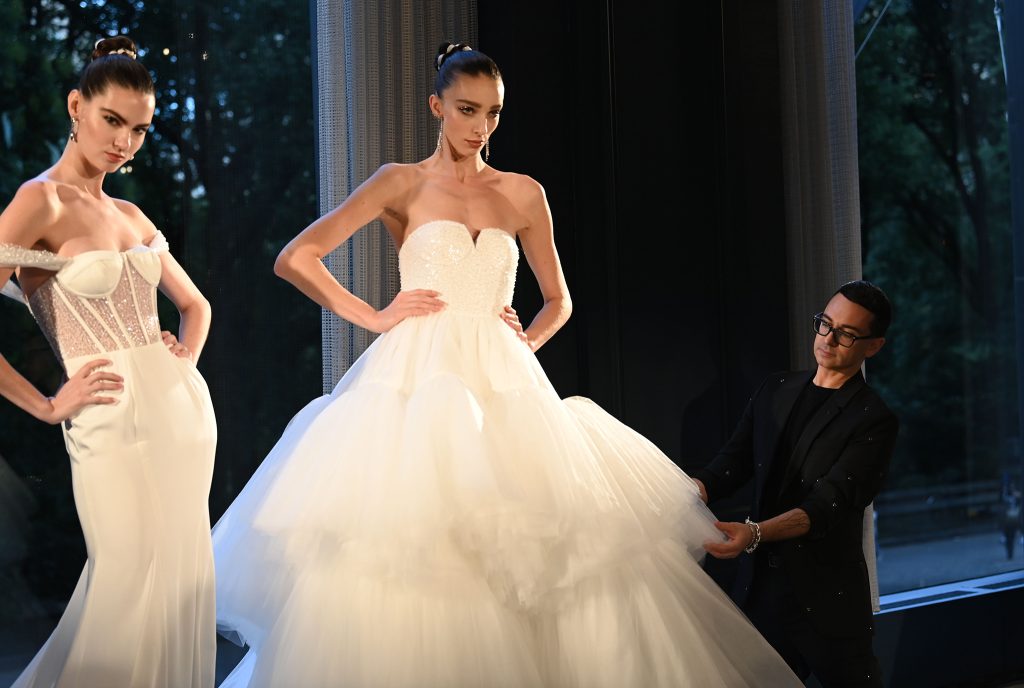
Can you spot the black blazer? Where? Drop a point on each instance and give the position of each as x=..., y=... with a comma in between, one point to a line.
x=835, y=471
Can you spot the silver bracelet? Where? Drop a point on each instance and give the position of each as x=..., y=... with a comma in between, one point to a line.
x=755, y=531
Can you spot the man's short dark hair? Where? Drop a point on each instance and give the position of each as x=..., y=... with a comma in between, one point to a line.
x=868, y=296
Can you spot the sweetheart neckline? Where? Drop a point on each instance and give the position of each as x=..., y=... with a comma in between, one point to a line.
x=468, y=230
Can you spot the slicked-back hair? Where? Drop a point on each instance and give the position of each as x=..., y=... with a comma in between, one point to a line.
x=870, y=297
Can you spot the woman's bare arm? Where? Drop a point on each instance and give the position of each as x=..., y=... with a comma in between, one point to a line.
x=300, y=262
x=23, y=224
x=538, y=241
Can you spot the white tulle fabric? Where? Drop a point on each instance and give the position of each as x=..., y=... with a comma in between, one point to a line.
x=142, y=615
x=443, y=519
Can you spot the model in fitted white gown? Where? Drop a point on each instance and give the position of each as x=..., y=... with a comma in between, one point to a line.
x=443, y=519
x=142, y=614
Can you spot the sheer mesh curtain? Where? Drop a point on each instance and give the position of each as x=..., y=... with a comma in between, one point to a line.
x=374, y=73
x=819, y=119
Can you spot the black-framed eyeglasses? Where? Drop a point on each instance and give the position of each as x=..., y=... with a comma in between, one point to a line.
x=824, y=328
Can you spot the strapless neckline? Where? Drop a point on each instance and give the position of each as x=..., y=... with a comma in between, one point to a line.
x=466, y=229
x=140, y=248
x=476, y=277
x=108, y=251
x=156, y=243
x=17, y=256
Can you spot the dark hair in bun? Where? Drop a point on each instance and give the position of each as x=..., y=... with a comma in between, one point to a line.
x=113, y=62
x=454, y=59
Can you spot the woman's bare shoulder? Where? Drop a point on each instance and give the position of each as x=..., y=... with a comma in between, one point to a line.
x=397, y=173
x=38, y=195
x=35, y=208
x=143, y=225
x=521, y=185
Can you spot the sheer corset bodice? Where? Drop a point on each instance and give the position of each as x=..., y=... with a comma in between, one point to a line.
x=97, y=301
x=473, y=277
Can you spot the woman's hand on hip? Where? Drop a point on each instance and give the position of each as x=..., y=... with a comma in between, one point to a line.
x=407, y=304
x=82, y=389
x=174, y=346
x=511, y=319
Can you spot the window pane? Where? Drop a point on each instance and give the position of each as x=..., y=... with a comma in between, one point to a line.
x=935, y=201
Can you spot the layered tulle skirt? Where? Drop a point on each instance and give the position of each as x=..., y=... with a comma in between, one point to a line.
x=443, y=519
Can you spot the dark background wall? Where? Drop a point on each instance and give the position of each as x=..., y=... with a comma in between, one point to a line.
x=661, y=155
x=662, y=163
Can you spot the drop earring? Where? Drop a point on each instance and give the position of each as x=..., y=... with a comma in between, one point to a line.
x=74, y=129
x=487, y=149
x=440, y=136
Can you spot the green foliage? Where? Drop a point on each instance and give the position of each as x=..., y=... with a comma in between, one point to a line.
x=935, y=208
x=29, y=102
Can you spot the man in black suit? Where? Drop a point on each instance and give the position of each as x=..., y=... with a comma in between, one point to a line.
x=817, y=445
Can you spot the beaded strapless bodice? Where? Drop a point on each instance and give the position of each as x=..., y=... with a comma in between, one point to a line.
x=475, y=278
x=97, y=301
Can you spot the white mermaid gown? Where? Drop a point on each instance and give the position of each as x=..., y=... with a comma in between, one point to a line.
x=142, y=614
x=442, y=519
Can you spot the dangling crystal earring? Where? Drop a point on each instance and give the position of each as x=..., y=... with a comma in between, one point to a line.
x=487, y=149
x=440, y=136
x=74, y=129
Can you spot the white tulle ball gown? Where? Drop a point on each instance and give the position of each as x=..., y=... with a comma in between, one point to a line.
x=442, y=519
x=142, y=614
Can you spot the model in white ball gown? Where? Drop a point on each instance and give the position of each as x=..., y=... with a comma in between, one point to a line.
x=443, y=519
x=143, y=613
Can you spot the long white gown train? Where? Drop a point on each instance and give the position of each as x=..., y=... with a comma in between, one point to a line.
x=443, y=519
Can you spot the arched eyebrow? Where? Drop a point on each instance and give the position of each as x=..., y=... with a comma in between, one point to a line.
x=121, y=118
x=475, y=104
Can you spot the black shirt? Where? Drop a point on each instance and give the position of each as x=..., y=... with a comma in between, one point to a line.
x=811, y=399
